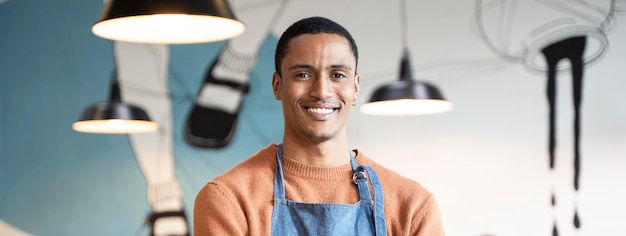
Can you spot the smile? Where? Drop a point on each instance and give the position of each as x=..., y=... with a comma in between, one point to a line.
x=320, y=110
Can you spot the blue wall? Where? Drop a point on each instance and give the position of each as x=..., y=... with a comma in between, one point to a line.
x=55, y=181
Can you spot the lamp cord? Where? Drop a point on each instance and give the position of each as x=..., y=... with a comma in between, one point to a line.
x=276, y=16
x=403, y=25
x=406, y=73
x=115, y=94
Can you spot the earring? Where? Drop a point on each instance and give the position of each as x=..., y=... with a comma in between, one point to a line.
x=354, y=102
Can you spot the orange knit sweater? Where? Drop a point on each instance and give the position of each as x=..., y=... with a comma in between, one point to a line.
x=239, y=202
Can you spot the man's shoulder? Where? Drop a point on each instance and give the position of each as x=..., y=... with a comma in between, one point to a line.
x=256, y=171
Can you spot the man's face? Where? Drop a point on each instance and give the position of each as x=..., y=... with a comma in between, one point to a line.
x=317, y=86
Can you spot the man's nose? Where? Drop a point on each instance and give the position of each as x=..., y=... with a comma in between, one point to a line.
x=321, y=87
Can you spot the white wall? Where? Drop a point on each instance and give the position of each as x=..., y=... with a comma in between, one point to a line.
x=487, y=160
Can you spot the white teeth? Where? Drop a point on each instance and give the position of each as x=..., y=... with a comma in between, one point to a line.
x=321, y=110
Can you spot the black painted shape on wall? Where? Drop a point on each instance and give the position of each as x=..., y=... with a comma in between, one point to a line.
x=572, y=49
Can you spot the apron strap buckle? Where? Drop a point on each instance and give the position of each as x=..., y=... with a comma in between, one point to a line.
x=359, y=175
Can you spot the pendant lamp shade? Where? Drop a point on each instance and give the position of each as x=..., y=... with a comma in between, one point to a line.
x=114, y=117
x=167, y=21
x=406, y=96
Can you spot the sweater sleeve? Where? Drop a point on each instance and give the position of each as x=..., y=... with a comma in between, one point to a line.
x=215, y=213
x=428, y=220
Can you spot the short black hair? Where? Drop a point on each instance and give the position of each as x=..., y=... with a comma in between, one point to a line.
x=311, y=25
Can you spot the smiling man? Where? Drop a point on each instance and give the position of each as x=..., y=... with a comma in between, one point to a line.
x=313, y=183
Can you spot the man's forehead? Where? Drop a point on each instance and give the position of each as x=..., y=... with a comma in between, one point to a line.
x=317, y=37
x=322, y=46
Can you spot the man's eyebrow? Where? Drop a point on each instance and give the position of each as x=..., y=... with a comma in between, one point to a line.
x=300, y=66
x=341, y=66
x=307, y=66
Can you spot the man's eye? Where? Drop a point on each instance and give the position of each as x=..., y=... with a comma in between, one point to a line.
x=339, y=75
x=303, y=75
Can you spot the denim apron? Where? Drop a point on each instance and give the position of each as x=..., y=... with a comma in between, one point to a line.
x=366, y=217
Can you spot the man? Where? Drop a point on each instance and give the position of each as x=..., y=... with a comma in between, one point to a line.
x=312, y=183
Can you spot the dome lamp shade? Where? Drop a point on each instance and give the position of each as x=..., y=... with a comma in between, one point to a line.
x=168, y=21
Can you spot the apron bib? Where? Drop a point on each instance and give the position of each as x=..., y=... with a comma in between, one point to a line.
x=365, y=217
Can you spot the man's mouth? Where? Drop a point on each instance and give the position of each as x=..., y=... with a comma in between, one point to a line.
x=320, y=110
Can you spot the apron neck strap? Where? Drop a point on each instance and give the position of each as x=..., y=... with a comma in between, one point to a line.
x=279, y=183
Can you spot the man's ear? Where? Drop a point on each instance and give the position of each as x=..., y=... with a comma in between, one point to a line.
x=276, y=80
x=357, y=83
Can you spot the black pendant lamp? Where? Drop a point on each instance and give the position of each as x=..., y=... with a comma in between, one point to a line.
x=167, y=21
x=114, y=116
x=406, y=96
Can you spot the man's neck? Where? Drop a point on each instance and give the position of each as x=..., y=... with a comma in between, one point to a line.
x=326, y=154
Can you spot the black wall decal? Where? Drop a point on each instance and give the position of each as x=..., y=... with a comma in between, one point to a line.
x=572, y=49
